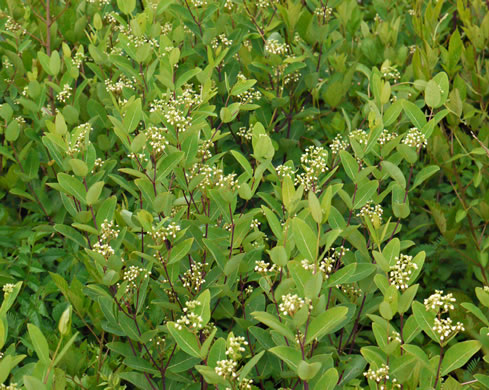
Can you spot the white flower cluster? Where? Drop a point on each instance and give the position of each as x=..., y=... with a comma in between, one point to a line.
x=266, y=3
x=370, y=211
x=192, y=278
x=8, y=288
x=284, y=170
x=20, y=120
x=108, y=230
x=166, y=28
x=226, y=368
x=350, y=290
x=122, y=82
x=245, y=133
x=6, y=63
x=412, y=12
x=103, y=249
x=78, y=58
x=83, y=131
x=314, y=161
x=386, y=136
x=204, y=151
x=190, y=319
x=101, y=2
x=390, y=72
x=221, y=39
x=229, y=5
x=291, y=303
x=164, y=232
x=401, y=272
x=235, y=347
x=381, y=375
x=438, y=301
x=199, y=3
x=323, y=12
x=131, y=274
x=263, y=267
x=156, y=138
x=415, y=138
x=249, y=96
x=11, y=386
x=359, y=135
x=12, y=26
x=65, y=94
x=272, y=46
x=445, y=328
x=338, y=144
x=254, y=224
x=395, y=336
x=213, y=177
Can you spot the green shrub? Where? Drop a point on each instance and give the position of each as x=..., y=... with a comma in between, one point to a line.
x=241, y=194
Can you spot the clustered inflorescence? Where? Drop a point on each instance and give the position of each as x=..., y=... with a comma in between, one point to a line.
x=415, y=138
x=314, y=161
x=190, y=319
x=401, y=272
x=441, y=304
x=381, y=375
x=291, y=303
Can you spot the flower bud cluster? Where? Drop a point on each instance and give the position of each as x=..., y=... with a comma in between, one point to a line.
x=359, y=135
x=245, y=133
x=386, y=136
x=285, y=170
x=227, y=368
x=390, y=72
x=291, y=303
x=415, y=138
x=193, y=278
x=370, y=211
x=213, y=177
x=156, y=138
x=65, y=94
x=338, y=144
x=272, y=46
x=78, y=58
x=131, y=274
x=235, y=347
x=122, y=82
x=438, y=301
x=445, y=328
x=108, y=231
x=81, y=132
x=221, y=39
x=266, y=3
x=6, y=64
x=254, y=224
x=323, y=12
x=199, y=3
x=190, y=319
x=394, y=336
x=314, y=161
x=11, y=386
x=164, y=232
x=263, y=267
x=12, y=26
x=249, y=96
x=401, y=272
x=8, y=288
x=381, y=376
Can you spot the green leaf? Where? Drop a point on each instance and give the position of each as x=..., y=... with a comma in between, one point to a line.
x=414, y=113
x=72, y=186
x=168, y=164
x=419, y=354
x=292, y=357
x=126, y=6
x=106, y=210
x=71, y=233
x=432, y=94
x=305, y=239
x=274, y=323
x=242, y=86
x=32, y=383
x=243, y=162
x=392, y=113
x=133, y=113
x=79, y=167
x=349, y=164
x=425, y=320
x=65, y=349
x=186, y=340
x=39, y=343
x=328, y=380
x=93, y=193
x=228, y=114
x=425, y=174
x=54, y=63
x=458, y=354
x=180, y=250
x=249, y=365
x=9, y=299
x=351, y=273
x=306, y=371
x=394, y=172
x=315, y=207
x=364, y=193
x=325, y=322
x=12, y=131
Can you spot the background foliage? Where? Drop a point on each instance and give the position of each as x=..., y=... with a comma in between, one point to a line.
x=241, y=194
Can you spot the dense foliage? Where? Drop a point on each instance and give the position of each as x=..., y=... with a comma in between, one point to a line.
x=244, y=194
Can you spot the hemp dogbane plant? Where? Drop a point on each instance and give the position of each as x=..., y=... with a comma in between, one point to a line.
x=240, y=189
